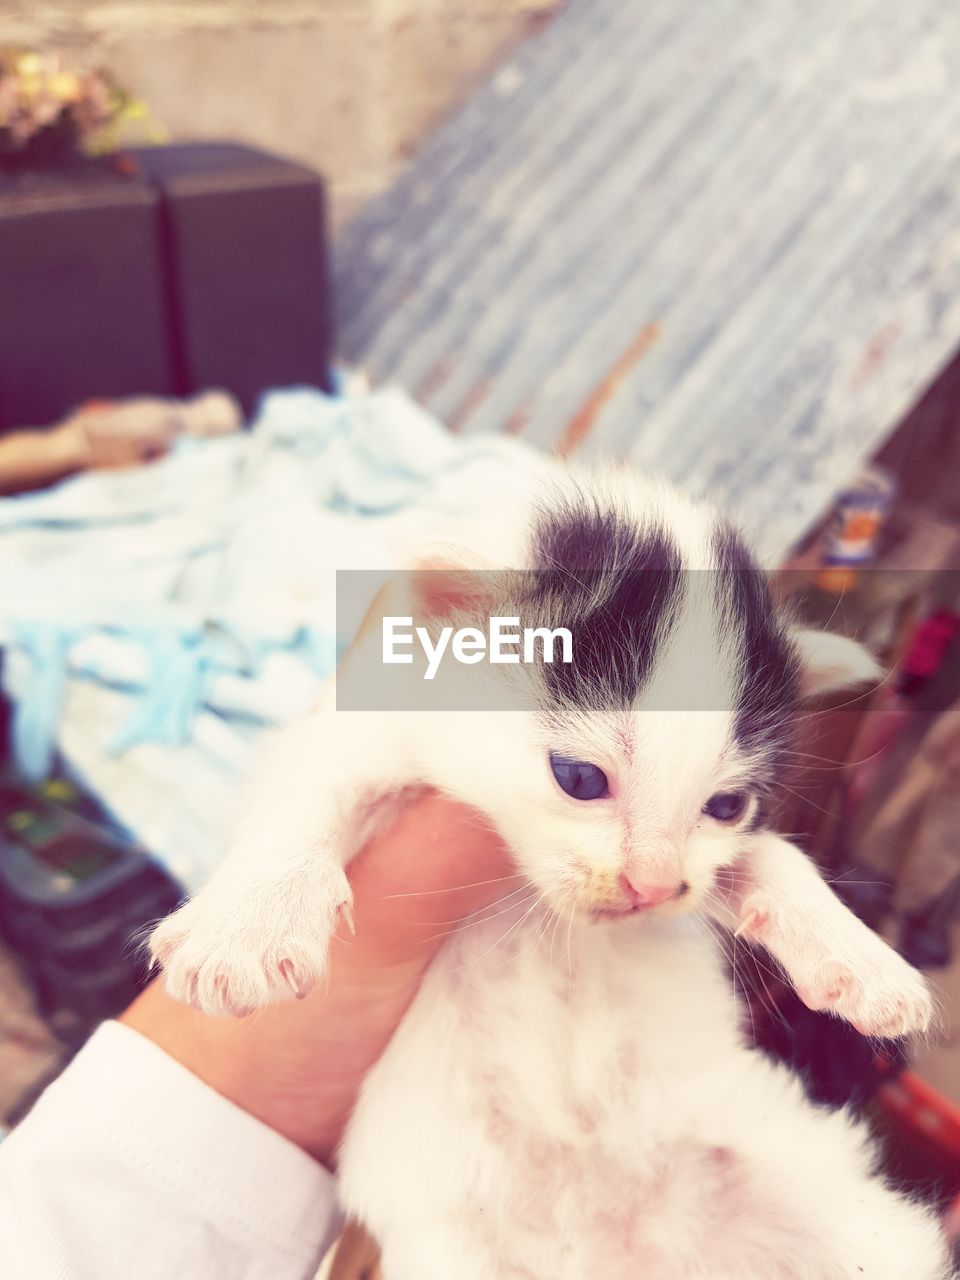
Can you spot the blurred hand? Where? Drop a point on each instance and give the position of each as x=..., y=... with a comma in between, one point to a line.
x=125, y=434
x=115, y=436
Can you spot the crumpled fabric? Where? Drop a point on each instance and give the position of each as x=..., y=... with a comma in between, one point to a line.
x=156, y=620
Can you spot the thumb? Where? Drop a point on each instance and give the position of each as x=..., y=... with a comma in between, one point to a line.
x=439, y=865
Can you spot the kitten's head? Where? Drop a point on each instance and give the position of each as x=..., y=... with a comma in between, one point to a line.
x=633, y=774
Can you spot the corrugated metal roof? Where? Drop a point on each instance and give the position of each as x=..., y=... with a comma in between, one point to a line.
x=722, y=240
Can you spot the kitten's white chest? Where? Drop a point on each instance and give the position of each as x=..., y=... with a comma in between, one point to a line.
x=562, y=1060
x=546, y=1118
x=587, y=1025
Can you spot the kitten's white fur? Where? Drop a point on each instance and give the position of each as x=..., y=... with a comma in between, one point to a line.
x=568, y=1096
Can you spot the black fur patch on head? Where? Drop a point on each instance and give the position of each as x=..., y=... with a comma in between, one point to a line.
x=616, y=585
x=770, y=671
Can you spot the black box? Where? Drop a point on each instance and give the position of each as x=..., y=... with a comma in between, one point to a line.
x=82, y=307
x=246, y=247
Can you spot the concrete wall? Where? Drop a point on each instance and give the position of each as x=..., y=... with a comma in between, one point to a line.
x=349, y=86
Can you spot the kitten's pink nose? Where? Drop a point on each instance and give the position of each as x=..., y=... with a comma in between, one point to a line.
x=648, y=895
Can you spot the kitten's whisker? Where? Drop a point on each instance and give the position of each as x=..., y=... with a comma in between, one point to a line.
x=543, y=929
x=832, y=764
x=808, y=715
x=805, y=799
x=454, y=888
x=476, y=917
x=553, y=935
x=479, y=913
x=503, y=937
x=722, y=939
x=756, y=959
x=741, y=987
x=771, y=1006
x=569, y=946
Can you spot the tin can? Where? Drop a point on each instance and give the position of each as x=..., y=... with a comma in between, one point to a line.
x=853, y=536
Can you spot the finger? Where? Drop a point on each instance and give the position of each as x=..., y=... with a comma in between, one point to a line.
x=417, y=882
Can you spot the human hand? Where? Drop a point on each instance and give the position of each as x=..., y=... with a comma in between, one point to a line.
x=298, y=1066
x=125, y=434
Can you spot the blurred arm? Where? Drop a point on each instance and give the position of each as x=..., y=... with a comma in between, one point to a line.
x=117, y=435
x=32, y=459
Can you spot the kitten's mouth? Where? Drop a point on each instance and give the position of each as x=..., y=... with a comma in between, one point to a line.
x=643, y=901
x=614, y=913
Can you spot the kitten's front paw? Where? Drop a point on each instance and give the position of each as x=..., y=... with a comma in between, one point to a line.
x=890, y=1002
x=232, y=955
x=843, y=968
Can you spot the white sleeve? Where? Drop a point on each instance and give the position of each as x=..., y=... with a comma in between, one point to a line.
x=130, y=1166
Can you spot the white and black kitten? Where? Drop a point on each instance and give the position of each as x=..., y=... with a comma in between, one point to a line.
x=590, y=1108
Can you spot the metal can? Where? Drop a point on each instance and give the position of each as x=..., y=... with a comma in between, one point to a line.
x=853, y=536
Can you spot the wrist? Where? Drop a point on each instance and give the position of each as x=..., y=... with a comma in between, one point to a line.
x=295, y=1066
x=68, y=446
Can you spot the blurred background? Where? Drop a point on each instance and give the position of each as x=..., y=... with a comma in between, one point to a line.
x=350, y=86
x=287, y=286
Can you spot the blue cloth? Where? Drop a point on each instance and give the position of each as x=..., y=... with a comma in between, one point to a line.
x=38, y=710
x=205, y=582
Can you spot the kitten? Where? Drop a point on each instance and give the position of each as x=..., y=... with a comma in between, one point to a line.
x=589, y=1107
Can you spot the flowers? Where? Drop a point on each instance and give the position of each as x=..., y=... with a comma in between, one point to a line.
x=47, y=106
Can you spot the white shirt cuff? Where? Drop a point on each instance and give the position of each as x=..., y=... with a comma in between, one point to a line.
x=131, y=1165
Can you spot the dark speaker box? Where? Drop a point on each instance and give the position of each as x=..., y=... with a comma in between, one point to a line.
x=245, y=242
x=82, y=308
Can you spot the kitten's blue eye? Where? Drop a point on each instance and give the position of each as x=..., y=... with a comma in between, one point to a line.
x=726, y=806
x=579, y=779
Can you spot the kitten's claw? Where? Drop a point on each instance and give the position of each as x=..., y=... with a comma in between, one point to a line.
x=346, y=915
x=290, y=976
x=230, y=956
x=871, y=986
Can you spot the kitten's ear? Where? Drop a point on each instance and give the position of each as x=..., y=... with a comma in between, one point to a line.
x=831, y=662
x=448, y=579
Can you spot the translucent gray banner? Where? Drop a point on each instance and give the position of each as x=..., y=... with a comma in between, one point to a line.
x=451, y=639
